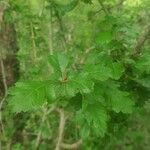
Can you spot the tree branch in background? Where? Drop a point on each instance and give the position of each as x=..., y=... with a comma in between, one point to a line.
x=51, y=31
x=103, y=7
x=61, y=128
x=109, y=8
x=33, y=43
x=3, y=76
x=5, y=91
x=44, y=117
x=87, y=51
x=71, y=146
x=3, y=7
x=141, y=41
x=60, y=143
x=61, y=28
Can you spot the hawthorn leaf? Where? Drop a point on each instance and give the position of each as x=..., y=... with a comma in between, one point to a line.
x=87, y=1
x=96, y=116
x=59, y=62
x=115, y=99
x=104, y=37
x=116, y=70
x=121, y=101
x=82, y=82
x=35, y=6
x=26, y=96
x=63, y=61
x=53, y=60
x=63, y=9
x=98, y=72
x=143, y=64
x=50, y=92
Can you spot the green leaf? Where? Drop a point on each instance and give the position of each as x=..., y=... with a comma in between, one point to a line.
x=104, y=37
x=85, y=131
x=115, y=99
x=59, y=62
x=36, y=6
x=82, y=82
x=116, y=70
x=50, y=92
x=53, y=60
x=143, y=64
x=96, y=116
x=63, y=61
x=144, y=82
x=63, y=9
x=98, y=72
x=87, y=1
x=75, y=83
x=64, y=90
x=120, y=100
x=26, y=96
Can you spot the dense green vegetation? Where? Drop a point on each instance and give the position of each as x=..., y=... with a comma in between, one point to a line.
x=74, y=74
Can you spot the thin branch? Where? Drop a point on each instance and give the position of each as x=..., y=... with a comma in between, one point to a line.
x=3, y=6
x=51, y=32
x=103, y=7
x=86, y=54
x=3, y=76
x=5, y=92
x=71, y=146
x=33, y=42
x=61, y=128
x=39, y=135
x=109, y=8
x=40, y=131
x=61, y=28
x=141, y=41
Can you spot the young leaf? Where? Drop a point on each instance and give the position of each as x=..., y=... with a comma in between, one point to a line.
x=59, y=62
x=53, y=60
x=63, y=61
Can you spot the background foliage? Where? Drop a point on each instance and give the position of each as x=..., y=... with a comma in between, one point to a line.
x=83, y=74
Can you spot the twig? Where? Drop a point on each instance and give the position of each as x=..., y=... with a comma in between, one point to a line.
x=33, y=42
x=86, y=54
x=61, y=28
x=109, y=8
x=45, y=113
x=3, y=76
x=71, y=146
x=61, y=128
x=5, y=92
x=3, y=6
x=51, y=32
x=141, y=41
x=103, y=7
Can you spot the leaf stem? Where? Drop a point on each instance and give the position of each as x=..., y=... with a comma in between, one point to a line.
x=33, y=42
x=51, y=31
